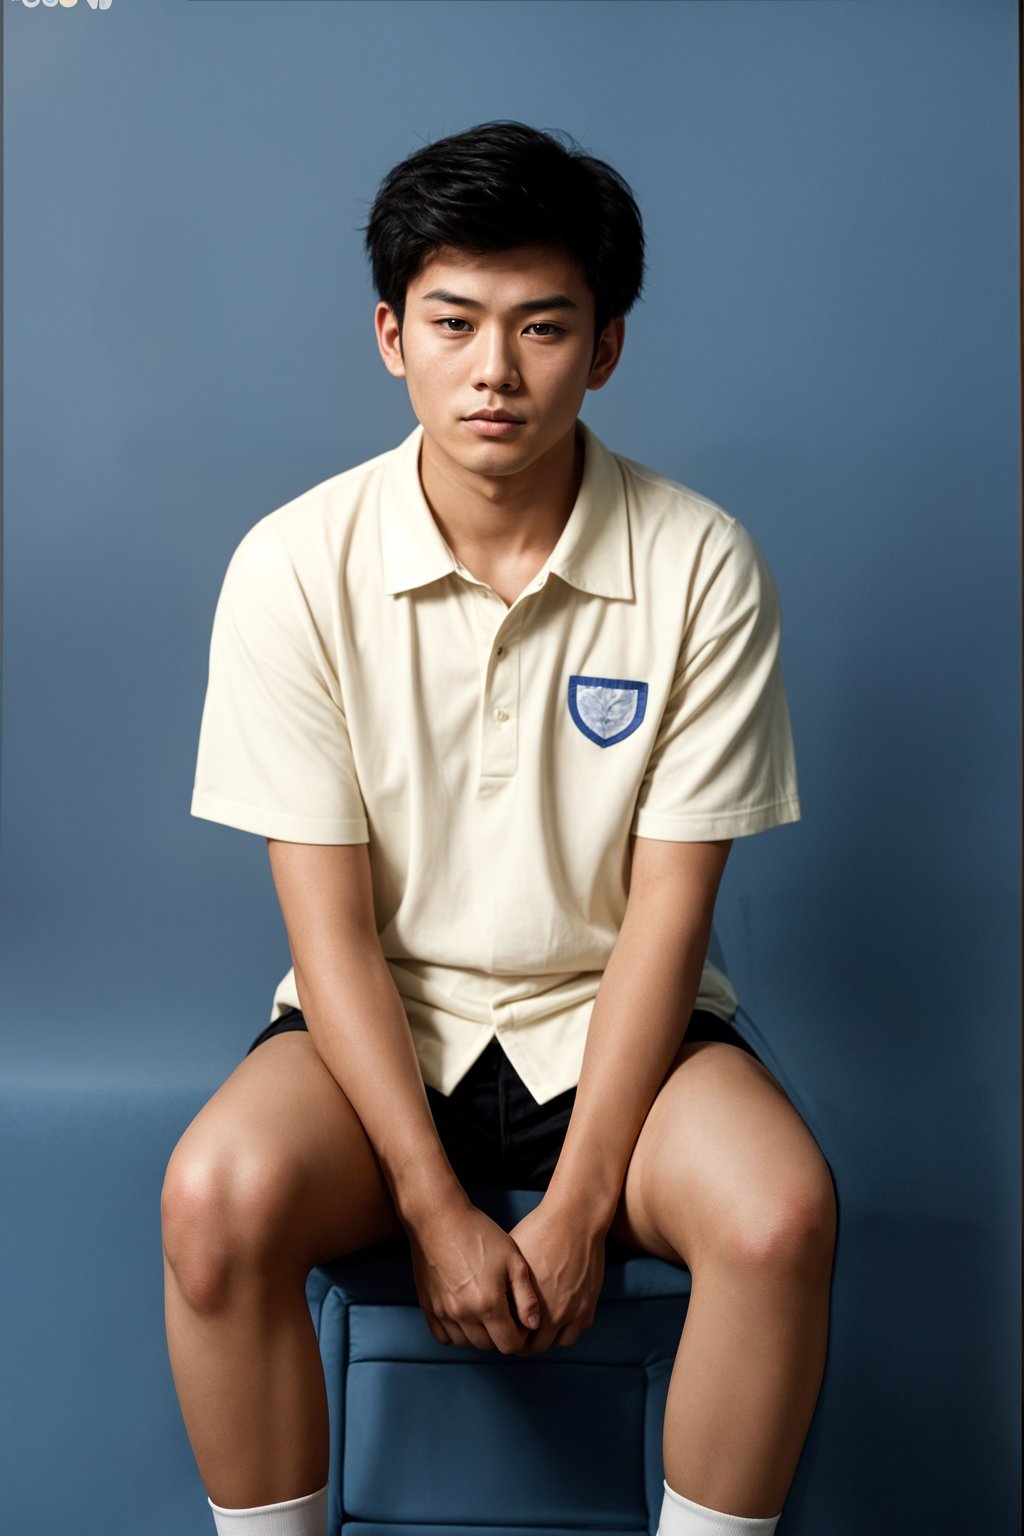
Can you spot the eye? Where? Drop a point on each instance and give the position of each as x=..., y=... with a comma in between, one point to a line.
x=546, y=326
x=451, y=320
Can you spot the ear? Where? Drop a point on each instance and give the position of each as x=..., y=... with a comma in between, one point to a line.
x=389, y=340
x=609, y=350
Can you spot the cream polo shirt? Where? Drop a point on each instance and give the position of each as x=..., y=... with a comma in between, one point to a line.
x=364, y=686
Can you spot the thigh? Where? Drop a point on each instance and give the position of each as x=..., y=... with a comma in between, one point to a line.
x=278, y=1158
x=724, y=1164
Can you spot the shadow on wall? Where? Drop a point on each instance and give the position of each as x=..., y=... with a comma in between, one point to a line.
x=892, y=1359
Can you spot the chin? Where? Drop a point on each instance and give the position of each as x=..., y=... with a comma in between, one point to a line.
x=464, y=445
x=491, y=463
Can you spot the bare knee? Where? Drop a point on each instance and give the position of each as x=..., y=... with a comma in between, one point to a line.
x=791, y=1229
x=224, y=1217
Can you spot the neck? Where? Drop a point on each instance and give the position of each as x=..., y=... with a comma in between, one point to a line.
x=493, y=520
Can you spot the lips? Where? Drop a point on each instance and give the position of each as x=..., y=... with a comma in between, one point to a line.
x=495, y=427
x=493, y=416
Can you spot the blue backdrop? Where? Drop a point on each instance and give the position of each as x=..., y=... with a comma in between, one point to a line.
x=827, y=347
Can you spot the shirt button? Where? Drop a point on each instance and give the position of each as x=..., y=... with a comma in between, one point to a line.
x=500, y=651
x=501, y=714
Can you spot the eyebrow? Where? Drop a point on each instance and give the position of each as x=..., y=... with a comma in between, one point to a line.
x=528, y=307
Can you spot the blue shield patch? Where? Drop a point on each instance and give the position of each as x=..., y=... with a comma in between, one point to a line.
x=607, y=709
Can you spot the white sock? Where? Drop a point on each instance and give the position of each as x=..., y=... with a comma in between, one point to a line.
x=682, y=1517
x=306, y=1516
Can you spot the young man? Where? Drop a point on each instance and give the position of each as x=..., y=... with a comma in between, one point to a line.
x=499, y=700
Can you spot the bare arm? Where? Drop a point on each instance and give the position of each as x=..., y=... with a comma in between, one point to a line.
x=640, y=1013
x=355, y=1015
x=464, y=1262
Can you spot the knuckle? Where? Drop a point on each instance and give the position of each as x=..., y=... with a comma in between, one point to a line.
x=474, y=1302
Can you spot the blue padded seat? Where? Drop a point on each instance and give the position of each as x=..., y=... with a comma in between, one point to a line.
x=434, y=1440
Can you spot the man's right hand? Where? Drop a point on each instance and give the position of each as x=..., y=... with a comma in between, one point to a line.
x=467, y=1271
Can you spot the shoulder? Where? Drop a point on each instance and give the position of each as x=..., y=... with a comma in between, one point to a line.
x=687, y=529
x=333, y=503
x=312, y=534
x=656, y=494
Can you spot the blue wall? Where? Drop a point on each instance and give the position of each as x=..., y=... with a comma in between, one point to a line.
x=827, y=347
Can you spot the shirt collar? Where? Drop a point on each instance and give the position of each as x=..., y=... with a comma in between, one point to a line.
x=592, y=553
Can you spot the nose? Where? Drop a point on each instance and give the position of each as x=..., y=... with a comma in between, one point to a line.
x=496, y=368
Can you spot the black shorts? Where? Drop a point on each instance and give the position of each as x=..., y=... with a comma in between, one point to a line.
x=495, y=1134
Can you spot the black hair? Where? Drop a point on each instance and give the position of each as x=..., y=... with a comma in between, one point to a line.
x=500, y=186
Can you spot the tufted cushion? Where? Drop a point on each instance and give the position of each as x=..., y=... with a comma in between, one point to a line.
x=427, y=1438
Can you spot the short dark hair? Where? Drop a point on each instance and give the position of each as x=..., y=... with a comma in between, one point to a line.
x=500, y=186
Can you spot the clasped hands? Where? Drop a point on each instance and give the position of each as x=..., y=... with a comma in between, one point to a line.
x=518, y=1292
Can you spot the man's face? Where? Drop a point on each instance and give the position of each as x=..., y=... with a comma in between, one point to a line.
x=509, y=332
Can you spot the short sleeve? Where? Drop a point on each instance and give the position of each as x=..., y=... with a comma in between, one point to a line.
x=722, y=764
x=274, y=753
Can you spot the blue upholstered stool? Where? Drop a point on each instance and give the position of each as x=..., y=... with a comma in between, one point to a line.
x=430, y=1440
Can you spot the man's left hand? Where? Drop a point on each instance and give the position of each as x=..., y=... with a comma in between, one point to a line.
x=566, y=1259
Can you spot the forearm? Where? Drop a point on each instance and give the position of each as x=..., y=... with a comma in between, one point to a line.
x=358, y=1024
x=638, y=1022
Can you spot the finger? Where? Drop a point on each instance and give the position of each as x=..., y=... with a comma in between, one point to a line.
x=508, y=1334
x=567, y=1336
x=537, y=1342
x=525, y=1302
x=437, y=1331
x=477, y=1334
x=454, y=1332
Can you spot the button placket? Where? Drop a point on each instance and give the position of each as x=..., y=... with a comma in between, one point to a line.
x=499, y=726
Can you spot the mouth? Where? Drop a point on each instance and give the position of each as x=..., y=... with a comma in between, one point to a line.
x=493, y=424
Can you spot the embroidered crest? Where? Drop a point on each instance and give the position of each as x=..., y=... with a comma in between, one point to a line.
x=607, y=709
